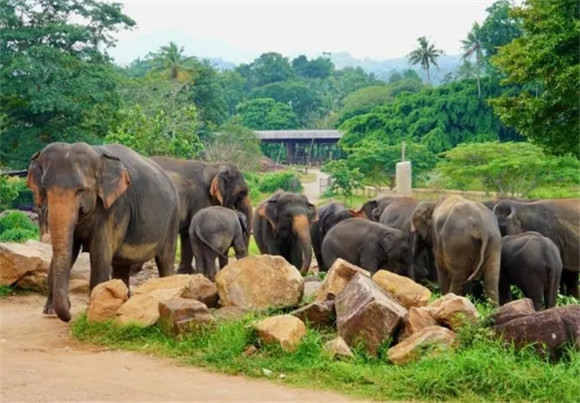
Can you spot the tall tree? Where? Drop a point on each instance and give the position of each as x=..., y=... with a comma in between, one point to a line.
x=56, y=78
x=499, y=28
x=170, y=61
x=472, y=47
x=425, y=54
x=545, y=61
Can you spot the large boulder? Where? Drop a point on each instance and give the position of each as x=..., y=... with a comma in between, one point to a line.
x=319, y=314
x=25, y=265
x=337, y=278
x=417, y=319
x=512, y=310
x=180, y=316
x=284, y=330
x=436, y=337
x=106, y=298
x=143, y=307
x=453, y=311
x=260, y=282
x=365, y=313
x=310, y=289
x=402, y=288
x=547, y=330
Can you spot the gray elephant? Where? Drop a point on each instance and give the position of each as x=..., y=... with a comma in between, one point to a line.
x=329, y=215
x=370, y=245
x=282, y=227
x=201, y=184
x=108, y=200
x=532, y=263
x=372, y=209
x=466, y=243
x=397, y=213
x=213, y=230
x=558, y=220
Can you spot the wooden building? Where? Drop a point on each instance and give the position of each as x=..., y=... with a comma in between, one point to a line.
x=307, y=147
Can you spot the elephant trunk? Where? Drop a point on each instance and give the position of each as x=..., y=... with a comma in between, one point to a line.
x=301, y=229
x=246, y=208
x=62, y=219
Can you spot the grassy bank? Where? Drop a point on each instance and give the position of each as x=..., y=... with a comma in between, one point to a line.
x=481, y=369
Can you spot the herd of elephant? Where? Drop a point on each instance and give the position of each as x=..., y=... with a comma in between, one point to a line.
x=125, y=209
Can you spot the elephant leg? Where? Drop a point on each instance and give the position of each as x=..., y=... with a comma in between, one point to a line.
x=240, y=247
x=48, y=306
x=185, y=266
x=101, y=257
x=198, y=252
x=442, y=275
x=458, y=279
x=209, y=262
x=505, y=294
x=569, y=279
x=223, y=260
x=165, y=260
x=122, y=272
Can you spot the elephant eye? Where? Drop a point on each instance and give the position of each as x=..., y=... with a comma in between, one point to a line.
x=80, y=191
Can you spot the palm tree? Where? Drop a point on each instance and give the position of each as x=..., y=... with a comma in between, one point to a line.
x=170, y=61
x=472, y=46
x=425, y=55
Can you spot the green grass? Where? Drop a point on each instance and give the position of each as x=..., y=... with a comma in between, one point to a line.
x=5, y=290
x=480, y=369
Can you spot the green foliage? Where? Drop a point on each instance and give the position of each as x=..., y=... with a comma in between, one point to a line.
x=425, y=54
x=267, y=114
x=286, y=180
x=15, y=226
x=235, y=143
x=57, y=82
x=480, y=369
x=266, y=69
x=158, y=134
x=5, y=291
x=508, y=169
x=8, y=192
x=344, y=179
x=545, y=60
x=321, y=67
x=499, y=28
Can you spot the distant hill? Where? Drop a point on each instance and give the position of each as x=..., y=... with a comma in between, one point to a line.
x=384, y=68
x=219, y=63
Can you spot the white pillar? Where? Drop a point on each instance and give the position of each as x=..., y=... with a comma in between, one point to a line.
x=404, y=178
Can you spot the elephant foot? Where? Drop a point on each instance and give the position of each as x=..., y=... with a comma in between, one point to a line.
x=48, y=308
x=185, y=269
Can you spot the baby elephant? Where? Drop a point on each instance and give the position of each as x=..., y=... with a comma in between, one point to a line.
x=531, y=262
x=212, y=231
x=370, y=245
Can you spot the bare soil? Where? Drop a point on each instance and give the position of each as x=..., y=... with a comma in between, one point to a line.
x=41, y=362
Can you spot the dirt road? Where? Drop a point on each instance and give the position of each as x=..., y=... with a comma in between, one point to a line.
x=41, y=362
x=312, y=189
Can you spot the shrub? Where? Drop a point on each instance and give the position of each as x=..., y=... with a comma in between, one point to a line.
x=17, y=227
x=14, y=193
x=286, y=180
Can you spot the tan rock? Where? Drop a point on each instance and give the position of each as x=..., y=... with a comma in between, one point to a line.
x=202, y=289
x=337, y=278
x=106, y=298
x=453, y=311
x=179, y=316
x=310, y=289
x=338, y=348
x=402, y=288
x=319, y=314
x=285, y=330
x=365, y=313
x=409, y=350
x=260, y=282
x=79, y=286
x=417, y=319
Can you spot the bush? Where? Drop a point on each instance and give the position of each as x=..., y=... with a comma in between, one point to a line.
x=14, y=193
x=17, y=227
x=286, y=180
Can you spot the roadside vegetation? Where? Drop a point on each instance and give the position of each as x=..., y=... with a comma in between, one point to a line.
x=480, y=369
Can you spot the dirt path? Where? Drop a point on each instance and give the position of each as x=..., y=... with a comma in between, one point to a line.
x=41, y=362
x=312, y=189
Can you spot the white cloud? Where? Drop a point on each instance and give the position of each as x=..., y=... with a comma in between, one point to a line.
x=239, y=31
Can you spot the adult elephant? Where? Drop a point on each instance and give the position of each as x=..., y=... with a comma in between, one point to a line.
x=397, y=214
x=372, y=209
x=108, y=200
x=199, y=185
x=213, y=230
x=370, y=245
x=466, y=243
x=329, y=215
x=281, y=227
x=558, y=220
x=531, y=262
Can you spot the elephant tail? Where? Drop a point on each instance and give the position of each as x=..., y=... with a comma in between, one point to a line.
x=207, y=243
x=480, y=265
x=555, y=273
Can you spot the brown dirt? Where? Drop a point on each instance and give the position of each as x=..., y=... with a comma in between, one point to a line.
x=41, y=362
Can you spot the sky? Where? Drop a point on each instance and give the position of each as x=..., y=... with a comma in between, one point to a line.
x=239, y=31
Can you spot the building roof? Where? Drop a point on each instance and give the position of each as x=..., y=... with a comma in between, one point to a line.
x=298, y=134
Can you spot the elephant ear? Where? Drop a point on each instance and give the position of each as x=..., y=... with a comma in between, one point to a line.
x=387, y=242
x=114, y=180
x=243, y=222
x=421, y=220
x=33, y=180
x=312, y=213
x=214, y=189
x=269, y=210
x=502, y=210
